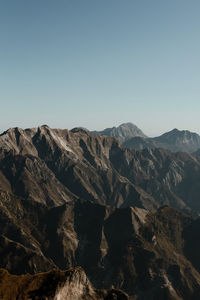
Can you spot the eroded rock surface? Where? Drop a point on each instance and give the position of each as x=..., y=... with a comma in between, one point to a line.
x=140, y=252
x=72, y=284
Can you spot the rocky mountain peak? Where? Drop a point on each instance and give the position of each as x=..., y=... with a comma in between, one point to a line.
x=183, y=139
x=122, y=132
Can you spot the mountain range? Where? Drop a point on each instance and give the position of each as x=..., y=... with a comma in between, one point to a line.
x=175, y=140
x=54, y=166
x=128, y=218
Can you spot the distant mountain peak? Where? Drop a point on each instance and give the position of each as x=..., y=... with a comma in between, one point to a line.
x=129, y=124
x=122, y=132
x=176, y=133
x=175, y=130
x=80, y=129
x=45, y=125
x=174, y=140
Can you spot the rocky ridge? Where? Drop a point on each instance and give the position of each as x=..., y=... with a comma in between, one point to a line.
x=174, y=140
x=54, y=166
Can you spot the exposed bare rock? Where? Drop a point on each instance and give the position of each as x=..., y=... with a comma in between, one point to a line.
x=170, y=178
x=147, y=254
x=52, y=166
x=53, y=285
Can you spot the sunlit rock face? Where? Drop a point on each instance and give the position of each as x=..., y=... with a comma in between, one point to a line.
x=53, y=285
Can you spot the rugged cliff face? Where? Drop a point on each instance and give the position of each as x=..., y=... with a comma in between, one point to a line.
x=53, y=285
x=170, y=178
x=145, y=253
x=53, y=166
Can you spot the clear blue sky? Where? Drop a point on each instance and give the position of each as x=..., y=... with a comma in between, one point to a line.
x=98, y=63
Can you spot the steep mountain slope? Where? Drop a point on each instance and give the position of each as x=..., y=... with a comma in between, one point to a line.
x=122, y=133
x=197, y=153
x=53, y=166
x=147, y=254
x=174, y=140
x=171, y=178
x=140, y=143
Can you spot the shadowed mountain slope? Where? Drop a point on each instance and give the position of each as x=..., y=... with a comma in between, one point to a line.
x=174, y=140
x=197, y=153
x=146, y=254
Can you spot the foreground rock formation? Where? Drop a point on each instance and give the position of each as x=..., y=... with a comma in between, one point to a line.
x=53, y=285
x=145, y=253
